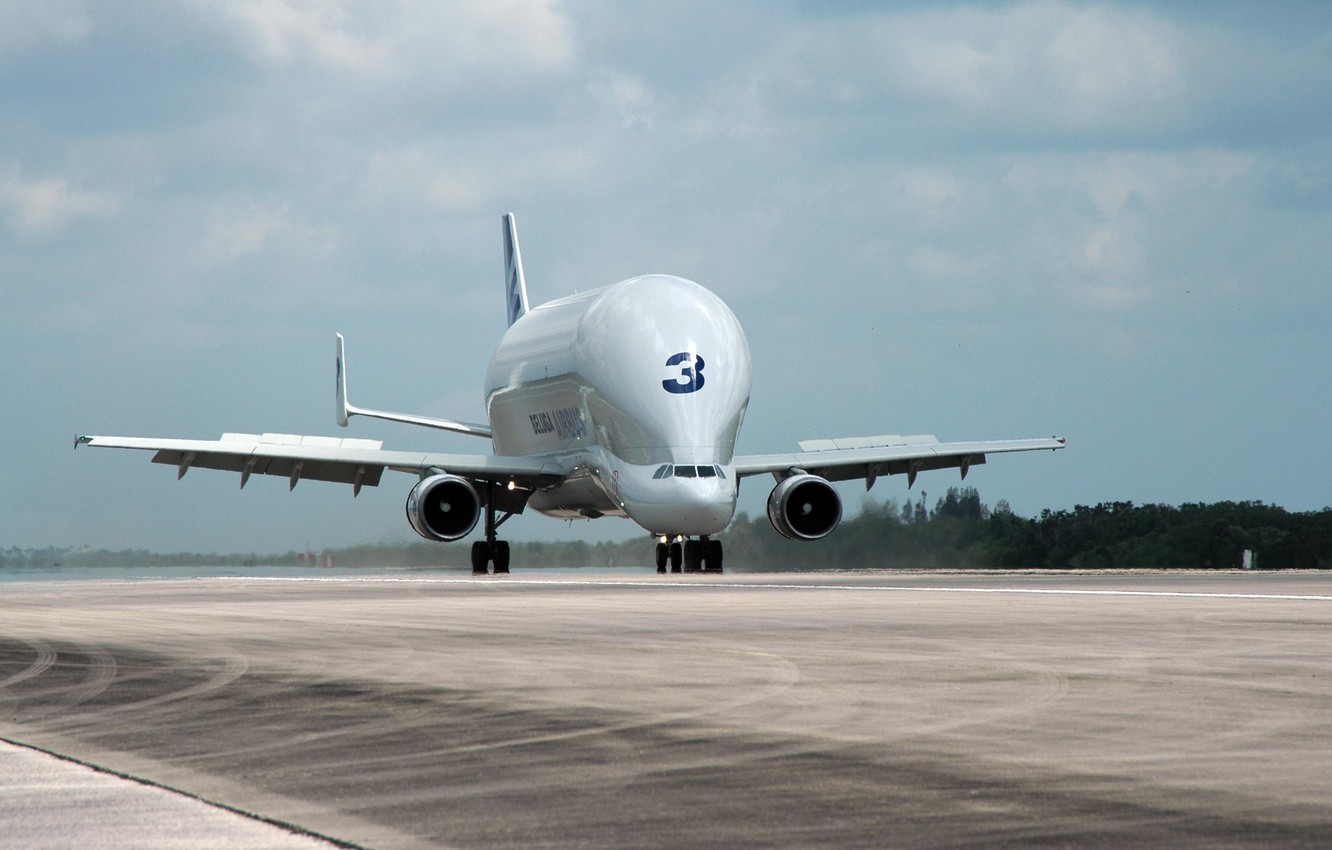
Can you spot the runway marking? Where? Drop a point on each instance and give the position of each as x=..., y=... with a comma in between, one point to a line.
x=503, y=582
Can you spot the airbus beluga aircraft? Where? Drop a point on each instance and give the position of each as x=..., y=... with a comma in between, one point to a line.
x=621, y=401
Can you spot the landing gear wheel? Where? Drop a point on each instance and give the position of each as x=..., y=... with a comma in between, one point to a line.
x=500, y=554
x=480, y=557
x=676, y=557
x=693, y=556
x=663, y=553
x=712, y=556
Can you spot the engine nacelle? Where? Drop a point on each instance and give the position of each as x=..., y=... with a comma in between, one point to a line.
x=804, y=507
x=443, y=507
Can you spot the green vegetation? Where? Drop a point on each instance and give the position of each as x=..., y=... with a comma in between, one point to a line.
x=53, y=556
x=960, y=531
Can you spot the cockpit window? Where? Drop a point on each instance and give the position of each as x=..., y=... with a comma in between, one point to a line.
x=667, y=470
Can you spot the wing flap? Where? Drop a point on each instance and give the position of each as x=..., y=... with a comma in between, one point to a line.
x=868, y=442
x=346, y=461
x=849, y=458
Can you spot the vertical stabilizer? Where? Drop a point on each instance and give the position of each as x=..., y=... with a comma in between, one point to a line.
x=514, y=283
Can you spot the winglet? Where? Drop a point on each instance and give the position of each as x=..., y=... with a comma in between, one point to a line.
x=344, y=410
x=514, y=283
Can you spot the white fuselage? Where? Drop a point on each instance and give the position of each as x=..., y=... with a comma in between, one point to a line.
x=638, y=390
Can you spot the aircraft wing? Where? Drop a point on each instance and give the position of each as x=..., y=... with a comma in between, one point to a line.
x=348, y=461
x=869, y=457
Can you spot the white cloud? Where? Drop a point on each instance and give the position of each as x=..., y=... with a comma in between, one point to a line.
x=627, y=96
x=933, y=194
x=413, y=174
x=1031, y=68
x=1108, y=250
x=464, y=177
x=233, y=234
x=1115, y=180
x=937, y=264
x=25, y=23
x=404, y=37
x=43, y=206
x=1113, y=297
x=287, y=31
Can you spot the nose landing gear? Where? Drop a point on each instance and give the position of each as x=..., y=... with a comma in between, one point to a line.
x=703, y=555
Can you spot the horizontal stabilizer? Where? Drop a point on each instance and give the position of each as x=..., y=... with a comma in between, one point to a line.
x=345, y=409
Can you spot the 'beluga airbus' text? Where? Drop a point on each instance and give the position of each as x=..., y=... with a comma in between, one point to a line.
x=621, y=401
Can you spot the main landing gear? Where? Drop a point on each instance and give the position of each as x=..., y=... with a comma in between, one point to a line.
x=484, y=552
x=703, y=555
x=491, y=550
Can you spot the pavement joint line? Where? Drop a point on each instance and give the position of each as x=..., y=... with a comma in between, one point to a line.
x=492, y=582
x=293, y=828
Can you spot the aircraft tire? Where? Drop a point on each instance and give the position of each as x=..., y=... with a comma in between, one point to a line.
x=501, y=557
x=663, y=553
x=712, y=556
x=677, y=557
x=480, y=557
x=693, y=556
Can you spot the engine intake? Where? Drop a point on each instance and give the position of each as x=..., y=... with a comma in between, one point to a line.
x=804, y=507
x=443, y=507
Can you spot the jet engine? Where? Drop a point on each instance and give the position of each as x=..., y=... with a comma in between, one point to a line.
x=804, y=507
x=443, y=507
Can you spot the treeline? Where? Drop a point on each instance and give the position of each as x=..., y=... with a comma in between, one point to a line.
x=1121, y=534
x=958, y=531
x=961, y=531
x=53, y=556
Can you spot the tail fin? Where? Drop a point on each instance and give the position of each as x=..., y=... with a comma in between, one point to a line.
x=514, y=282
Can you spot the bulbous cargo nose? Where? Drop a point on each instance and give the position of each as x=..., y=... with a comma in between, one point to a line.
x=692, y=507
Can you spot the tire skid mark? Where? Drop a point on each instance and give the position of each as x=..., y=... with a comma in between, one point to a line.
x=94, y=666
x=1050, y=688
x=625, y=738
x=233, y=666
x=366, y=692
x=786, y=678
x=352, y=727
x=45, y=657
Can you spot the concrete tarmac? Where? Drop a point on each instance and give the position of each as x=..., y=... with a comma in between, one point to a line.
x=625, y=709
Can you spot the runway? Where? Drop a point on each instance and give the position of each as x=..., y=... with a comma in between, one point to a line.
x=612, y=709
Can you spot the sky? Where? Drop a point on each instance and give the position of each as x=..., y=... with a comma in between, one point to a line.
x=1105, y=221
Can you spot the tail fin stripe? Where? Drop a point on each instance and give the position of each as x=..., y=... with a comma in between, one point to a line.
x=514, y=281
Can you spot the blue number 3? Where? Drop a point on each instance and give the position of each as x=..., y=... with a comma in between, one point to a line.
x=690, y=379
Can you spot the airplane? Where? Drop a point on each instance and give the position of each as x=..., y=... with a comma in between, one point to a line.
x=625, y=401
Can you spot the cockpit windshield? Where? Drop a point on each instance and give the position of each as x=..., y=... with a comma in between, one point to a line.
x=667, y=470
